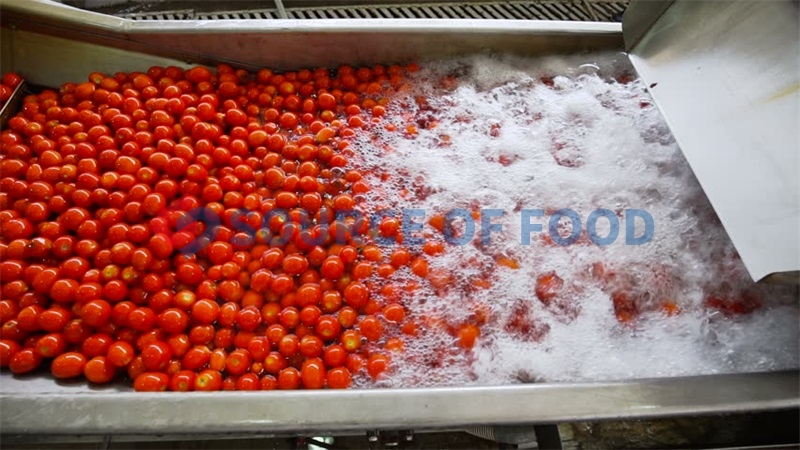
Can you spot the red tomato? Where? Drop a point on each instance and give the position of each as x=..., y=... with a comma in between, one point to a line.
x=313, y=373
x=339, y=378
x=151, y=382
x=7, y=351
x=68, y=365
x=99, y=370
x=208, y=380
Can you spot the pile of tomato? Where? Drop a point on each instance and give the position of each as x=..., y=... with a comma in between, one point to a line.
x=96, y=179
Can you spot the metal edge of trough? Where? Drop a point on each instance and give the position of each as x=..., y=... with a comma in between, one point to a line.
x=418, y=408
x=292, y=44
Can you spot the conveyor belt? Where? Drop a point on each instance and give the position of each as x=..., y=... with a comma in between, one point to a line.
x=601, y=11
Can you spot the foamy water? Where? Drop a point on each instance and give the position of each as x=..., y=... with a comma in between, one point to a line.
x=496, y=136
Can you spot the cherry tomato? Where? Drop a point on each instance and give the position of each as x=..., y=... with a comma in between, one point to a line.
x=208, y=380
x=237, y=362
x=356, y=295
x=328, y=328
x=7, y=351
x=156, y=356
x=182, y=381
x=312, y=374
x=24, y=361
x=99, y=370
x=51, y=345
x=467, y=335
x=371, y=328
x=339, y=378
x=151, y=382
x=377, y=364
x=68, y=365
x=120, y=354
x=394, y=313
x=548, y=286
x=335, y=355
x=289, y=378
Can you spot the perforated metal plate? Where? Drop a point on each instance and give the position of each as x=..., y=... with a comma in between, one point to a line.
x=578, y=10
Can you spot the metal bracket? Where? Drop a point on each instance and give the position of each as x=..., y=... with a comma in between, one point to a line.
x=639, y=17
x=281, y=10
x=389, y=438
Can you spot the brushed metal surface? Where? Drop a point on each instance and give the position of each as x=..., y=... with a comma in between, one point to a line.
x=639, y=17
x=39, y=406
x=726, y=76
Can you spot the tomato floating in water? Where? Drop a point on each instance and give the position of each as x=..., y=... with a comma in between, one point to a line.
x=548, y=286
x=467, y=335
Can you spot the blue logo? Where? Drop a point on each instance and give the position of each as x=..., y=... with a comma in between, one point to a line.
x=350, y=225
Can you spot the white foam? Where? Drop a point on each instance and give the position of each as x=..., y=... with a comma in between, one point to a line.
x=587, y=142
